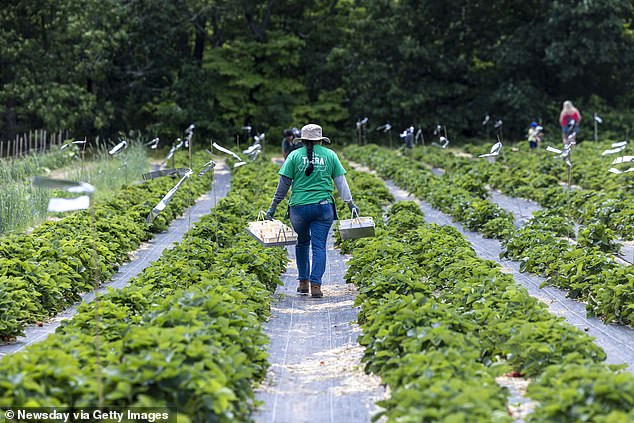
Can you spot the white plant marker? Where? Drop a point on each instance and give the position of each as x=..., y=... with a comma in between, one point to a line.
x=495, y=150
x=613, y=150
x=153, y=144
x=160, y=206
x=621, y=160
x=207, y=166
x=69, y=143
x=118, y=148
x=189, y=132
x=231, y=153
x=172, y=151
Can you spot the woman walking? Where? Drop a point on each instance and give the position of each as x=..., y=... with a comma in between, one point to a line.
x=569, y=119
x=310, y=172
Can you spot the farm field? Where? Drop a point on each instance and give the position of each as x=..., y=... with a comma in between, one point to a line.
x=428, y=306
x=148, y=252
x=147, y=266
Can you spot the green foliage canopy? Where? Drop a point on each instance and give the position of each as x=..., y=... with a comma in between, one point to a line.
x=98, y=67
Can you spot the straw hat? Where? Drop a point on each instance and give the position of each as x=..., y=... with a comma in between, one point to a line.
x=312, y=132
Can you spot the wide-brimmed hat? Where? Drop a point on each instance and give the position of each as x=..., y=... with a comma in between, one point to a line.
x=312, y=132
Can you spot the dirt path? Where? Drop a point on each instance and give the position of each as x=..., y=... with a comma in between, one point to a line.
x=316, y=374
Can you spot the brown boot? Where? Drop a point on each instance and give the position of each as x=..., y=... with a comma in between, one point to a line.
x=315, y=290
x=302, y=288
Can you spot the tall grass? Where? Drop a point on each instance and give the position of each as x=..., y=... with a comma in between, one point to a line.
x=109, y=173
x=12, y=170
x=23, y=206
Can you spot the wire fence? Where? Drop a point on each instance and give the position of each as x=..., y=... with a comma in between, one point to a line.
x=34, y=141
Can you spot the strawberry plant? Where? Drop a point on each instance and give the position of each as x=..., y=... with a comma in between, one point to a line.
x=59, y=260
x=186, y=333
x=451, y=323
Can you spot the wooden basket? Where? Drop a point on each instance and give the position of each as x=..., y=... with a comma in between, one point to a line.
x=271, y=233
x=357, y=227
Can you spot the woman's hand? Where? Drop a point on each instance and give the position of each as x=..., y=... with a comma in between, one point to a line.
x=353, y=208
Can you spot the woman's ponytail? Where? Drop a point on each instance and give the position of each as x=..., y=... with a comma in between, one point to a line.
x=309, y=154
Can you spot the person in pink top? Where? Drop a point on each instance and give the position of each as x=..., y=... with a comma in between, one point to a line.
x=569, y=119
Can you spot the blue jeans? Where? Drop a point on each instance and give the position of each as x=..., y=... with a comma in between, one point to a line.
x=312, y=223
x=566, y=131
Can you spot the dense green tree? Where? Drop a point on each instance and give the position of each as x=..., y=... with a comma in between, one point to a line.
x=55, y=56
x=270, y=72
x=103, y=66
x=564, y=50
x=453, y=61
x=414, y=63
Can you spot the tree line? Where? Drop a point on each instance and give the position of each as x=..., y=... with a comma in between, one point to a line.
x=99, y=67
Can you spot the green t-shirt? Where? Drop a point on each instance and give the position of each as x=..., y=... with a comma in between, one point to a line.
x=318, y=186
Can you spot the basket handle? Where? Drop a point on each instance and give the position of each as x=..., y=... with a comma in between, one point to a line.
x=352, y=213
x=281, y=232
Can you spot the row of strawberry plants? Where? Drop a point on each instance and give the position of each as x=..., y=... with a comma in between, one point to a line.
x=587, y=273
x=589, y=167
x=581, y=376
x=541, y=168
x=544, y=247
x=384, y=275
x=460, y=196
x=603, y=206
x=185, y=334
x=582, y=268
x=43, y=272
x=605, y=198
x=439, y=326
x=368, y=196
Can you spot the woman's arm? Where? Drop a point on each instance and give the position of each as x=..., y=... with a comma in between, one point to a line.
x=344, y=191
x=282, y=189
